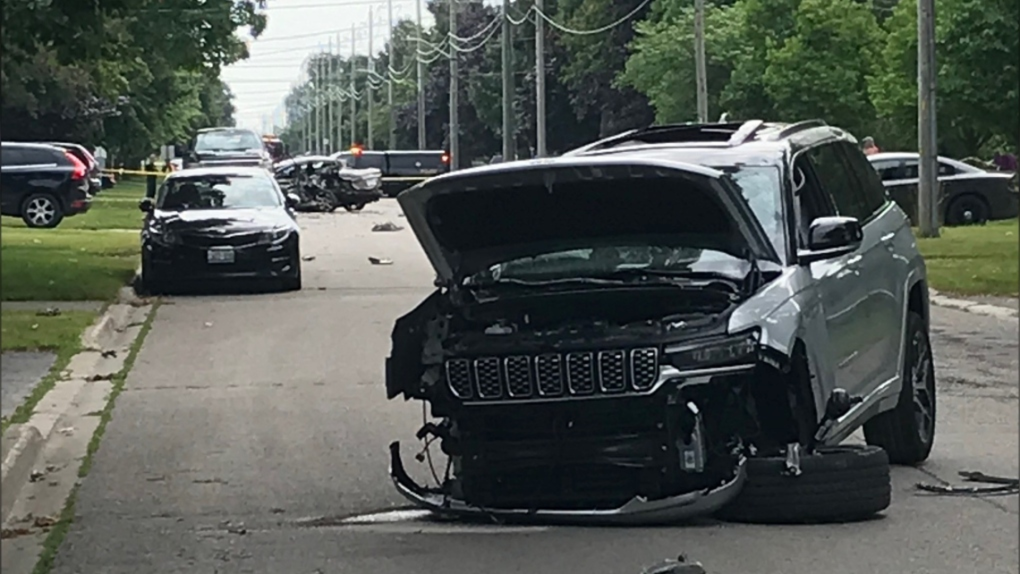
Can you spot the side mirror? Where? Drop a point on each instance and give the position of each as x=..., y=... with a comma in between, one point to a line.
x=293, y=200
x=146, y=205
x=830, y=237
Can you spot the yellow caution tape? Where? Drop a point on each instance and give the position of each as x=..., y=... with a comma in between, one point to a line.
x=134, y=172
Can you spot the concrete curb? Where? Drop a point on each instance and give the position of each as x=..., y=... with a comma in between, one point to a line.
x=971, y=306
x=21, y=447
x=115, y=319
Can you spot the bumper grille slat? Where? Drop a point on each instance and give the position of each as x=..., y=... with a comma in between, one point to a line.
x=549, y=371
x=488, y=377
x=518, y=377
x=458, y=378
x=644, y=368
x=553, y=375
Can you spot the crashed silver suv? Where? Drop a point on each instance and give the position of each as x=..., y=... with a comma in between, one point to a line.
x=674, y=321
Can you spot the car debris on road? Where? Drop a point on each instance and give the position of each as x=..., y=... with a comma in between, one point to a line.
x=1003, y=485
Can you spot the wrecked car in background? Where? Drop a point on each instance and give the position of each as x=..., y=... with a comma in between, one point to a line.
x=324, y=183
x=671, y=322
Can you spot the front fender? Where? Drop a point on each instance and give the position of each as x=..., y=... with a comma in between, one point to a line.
x=789, y=310
x=404, y=366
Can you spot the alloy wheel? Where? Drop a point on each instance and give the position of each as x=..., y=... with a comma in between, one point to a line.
x=922, y=383
x=41, y=211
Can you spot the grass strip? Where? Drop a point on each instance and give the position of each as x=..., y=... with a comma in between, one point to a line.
x=29, y=331
x=974, y=259
x=51, y=545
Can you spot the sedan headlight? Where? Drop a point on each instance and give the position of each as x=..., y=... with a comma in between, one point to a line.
x=365, y=183
x=165, y=238
x=274, y=235
x=739, y=349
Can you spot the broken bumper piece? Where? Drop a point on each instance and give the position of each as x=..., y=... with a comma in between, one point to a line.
x=637, y=511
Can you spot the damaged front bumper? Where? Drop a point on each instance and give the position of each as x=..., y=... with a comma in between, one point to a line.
x=636, y=511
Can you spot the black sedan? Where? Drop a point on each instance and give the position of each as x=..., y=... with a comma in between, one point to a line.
x=219, y=223
x=969, y=194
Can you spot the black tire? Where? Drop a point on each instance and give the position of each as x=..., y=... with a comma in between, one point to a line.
x=293, y=283
x=837, y=484
x=147, y=283
x=968, y=209
x=42, y=210
x=352, y=207
x=907, y=432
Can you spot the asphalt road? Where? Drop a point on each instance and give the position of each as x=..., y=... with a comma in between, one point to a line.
x=251, y=425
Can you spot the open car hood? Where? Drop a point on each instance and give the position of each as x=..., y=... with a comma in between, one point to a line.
x=469, y=220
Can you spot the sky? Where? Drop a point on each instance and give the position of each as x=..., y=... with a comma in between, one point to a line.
x=296, y=30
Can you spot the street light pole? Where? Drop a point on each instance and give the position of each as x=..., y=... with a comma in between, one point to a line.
x=354, y=94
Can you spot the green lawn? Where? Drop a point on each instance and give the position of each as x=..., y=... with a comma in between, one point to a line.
x=115, y=208
x=975, y=260
x=65, y=264
x=30, y=331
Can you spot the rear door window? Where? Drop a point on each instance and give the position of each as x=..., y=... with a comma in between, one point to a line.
x=40, y=156
x=946, y=169
x=12, y=157
x=838, y=180
x=886, y=168
x=869, y=185
x=417, y=164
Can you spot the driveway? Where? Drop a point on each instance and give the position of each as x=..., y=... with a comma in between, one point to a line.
x=251, y=425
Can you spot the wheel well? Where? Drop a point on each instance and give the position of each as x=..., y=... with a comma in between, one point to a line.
x=786, y=409
x=915, y=301
x=966, y=195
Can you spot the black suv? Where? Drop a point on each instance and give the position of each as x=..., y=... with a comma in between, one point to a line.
x=219, y=147
x=42, y=184
x=400, y=169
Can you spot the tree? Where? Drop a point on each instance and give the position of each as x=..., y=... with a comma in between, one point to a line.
x=977, y=56
x=661, y=65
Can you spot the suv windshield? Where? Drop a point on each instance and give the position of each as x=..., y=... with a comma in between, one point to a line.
x=762, y=189
x=218, y=192
x=228, y=140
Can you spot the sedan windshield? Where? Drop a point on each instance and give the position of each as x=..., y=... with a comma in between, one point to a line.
x=228, y=140
x=218, y=192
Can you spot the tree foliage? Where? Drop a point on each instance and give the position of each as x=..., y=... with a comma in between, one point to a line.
x=850, y=62
x=132, y=74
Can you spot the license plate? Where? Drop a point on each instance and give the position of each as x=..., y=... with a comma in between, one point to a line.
x=220, y=255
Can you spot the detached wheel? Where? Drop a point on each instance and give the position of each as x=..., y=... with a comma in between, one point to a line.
x=42, y=210
x=354, y=207
x=967, y=210
x=907, y=432
x=837, y=484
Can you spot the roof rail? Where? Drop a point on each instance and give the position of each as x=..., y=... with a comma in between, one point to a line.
x=746, y=132
x=798, y=127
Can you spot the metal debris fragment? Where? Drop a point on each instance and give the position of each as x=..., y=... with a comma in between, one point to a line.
x=48, y=312
x=307, y=258
x=388, y=226
x=109, y=354
x=378, y=261
x=1003, y=485
x=36, y=476
x=678, y=566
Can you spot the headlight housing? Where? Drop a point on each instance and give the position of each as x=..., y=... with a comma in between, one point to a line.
x=274, y=235
x=166, y=238
x=731, y=350
x=365, y=183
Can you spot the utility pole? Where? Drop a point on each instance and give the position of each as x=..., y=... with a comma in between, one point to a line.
x=392, y=143
x=540, y=78
x=420, y=77
x=318, y=101
x=699, y=60
x=927, y=134
x=329, y=99
x=508, y=88
x=454, y=89
x=368, y=79
x=354, y=94
x=339, y=102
